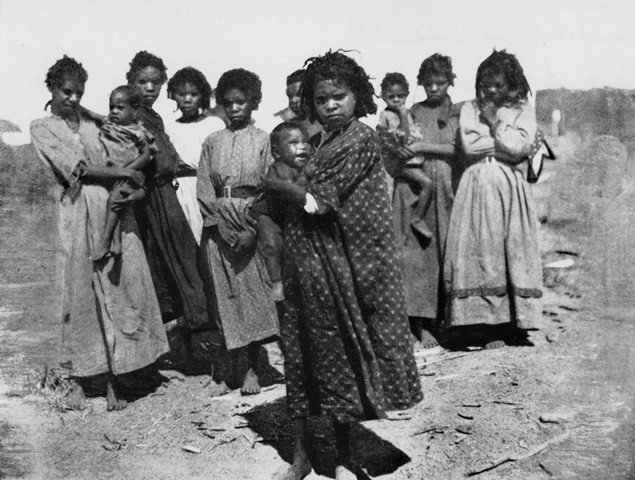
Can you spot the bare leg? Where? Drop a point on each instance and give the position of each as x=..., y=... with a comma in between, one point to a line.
x=218, y=386
x=102, y=249
x=112, y=396
x=343, y=469
x=75, y=397
x=250, y=383
x=301, y=465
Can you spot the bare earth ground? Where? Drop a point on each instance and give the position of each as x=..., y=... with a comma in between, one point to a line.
x=574, y=388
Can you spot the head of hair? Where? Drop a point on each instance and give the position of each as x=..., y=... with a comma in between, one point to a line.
x=506, y=64
x=196, y=78
x=394, y=78
x=276, y=134
x=436, y=64
x=134, y=98
x=247, y=82
x=341, y=70
x=295, y=77
x=65, y=67
x=143, y=60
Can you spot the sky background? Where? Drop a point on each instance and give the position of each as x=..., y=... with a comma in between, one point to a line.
x=577, y=44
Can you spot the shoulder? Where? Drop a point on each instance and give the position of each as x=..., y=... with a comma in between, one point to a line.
x=216, y=136
x=362, y=131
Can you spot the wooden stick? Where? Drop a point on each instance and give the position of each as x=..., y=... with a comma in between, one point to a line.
x=515, y=457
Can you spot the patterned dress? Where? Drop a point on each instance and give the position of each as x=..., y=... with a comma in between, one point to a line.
x=243, y=294
x=421, y=258
x=492, y=266
x=170, y=245
x=111, y=319
x=344, y=328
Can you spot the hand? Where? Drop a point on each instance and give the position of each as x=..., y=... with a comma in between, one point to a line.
x=136, y=177
x=488, y=112
x=121, y=203
x=404, y=153
x=218, y=181
x=311, y=205
x=246, y=242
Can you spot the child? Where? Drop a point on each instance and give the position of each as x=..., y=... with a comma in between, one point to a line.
x=233, y=162
x=127, y=145
x=296, y=112
x=492, y=269
x=397, y=129
x=291, y=150
x=344, y=327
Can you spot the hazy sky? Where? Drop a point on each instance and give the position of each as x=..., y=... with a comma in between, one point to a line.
x=572, y=43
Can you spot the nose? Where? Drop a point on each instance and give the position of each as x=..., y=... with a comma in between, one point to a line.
x=188, y=98
x=331, y=105
x=74, y=98
x=149, y=86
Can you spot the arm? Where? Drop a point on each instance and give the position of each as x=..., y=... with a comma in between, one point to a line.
x=205, y=190
x=514, y=132
x=475, y=134
x=431, y=148
x=142, y=160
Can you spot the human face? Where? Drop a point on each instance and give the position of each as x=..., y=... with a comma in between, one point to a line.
x=494, y=88
x=188, y=99
x=293, y=94
x=121, y=112
x=334, y=104
x=436, y=88
x=395, y=96
x=148, y=82
x=66, y=97
x=238, y=107
x=293, y=148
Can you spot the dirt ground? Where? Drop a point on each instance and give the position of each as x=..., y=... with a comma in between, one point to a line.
x=563, y=408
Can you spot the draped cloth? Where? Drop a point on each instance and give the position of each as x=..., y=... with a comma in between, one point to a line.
x=110, y=316
x=344, y=328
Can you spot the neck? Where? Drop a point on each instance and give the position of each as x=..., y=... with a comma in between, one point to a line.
x=191, y=118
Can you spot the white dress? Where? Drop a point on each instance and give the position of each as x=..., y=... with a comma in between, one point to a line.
x=188, y=138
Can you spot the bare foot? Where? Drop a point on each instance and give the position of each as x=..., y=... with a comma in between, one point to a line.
x=277, y=292
x=218, y=389
x=250, y=384
x=100, y=254
x=343, y=473
x=112, y=399
x=300, y=468
x=494, y=344
x=427, y=339
x=75, y=399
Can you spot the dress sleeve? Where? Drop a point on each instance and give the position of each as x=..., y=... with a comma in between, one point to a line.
x=204, y=188
x=475, y=135
x=515, y=131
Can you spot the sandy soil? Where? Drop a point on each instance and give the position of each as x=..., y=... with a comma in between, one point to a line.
x=574, y=388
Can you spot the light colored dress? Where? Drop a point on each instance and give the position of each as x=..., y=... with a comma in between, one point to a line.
x=111, y=319
x=188, y=139
x=492, y=265
x=243, y=296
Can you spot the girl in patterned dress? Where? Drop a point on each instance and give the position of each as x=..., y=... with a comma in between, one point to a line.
x=344, y=327
x=492, y=270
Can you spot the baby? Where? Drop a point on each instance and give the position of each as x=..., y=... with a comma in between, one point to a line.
x=127, y=144
x=291, y=150
x=396, y=130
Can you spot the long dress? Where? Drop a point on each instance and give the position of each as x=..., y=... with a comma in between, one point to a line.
x=422, y=258
x=344, y=330
x=492, y=266
x=169, y=243
x=188, y=139
x=111, y=320
x=246, y=310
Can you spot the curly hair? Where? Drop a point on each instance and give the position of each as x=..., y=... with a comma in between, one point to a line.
x=65, y=67
x=134, y=98
x=196, y=78
x=344, y=71
x=436, y=64
x=276, y=133
x=295, y=77
x=143, y=60
x=247, y=82
x=501, y=62
x=394, y=78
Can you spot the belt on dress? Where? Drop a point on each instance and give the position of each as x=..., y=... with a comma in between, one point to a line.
x=240, y=191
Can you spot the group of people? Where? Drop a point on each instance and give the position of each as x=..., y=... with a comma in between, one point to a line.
x=292, y=235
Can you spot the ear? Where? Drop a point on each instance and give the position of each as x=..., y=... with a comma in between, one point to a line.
x=275, y=151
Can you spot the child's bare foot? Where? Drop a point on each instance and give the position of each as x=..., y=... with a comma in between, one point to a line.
x=277, y=292
x=300, y=468
x=250, y=384
x=112, y=398
x=427, y=340
x=218, y=389
x=494, y=344
x=75, y=399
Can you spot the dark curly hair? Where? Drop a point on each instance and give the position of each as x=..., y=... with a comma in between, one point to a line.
x=196, y=78
x=145, y=59
x=276, y=133
x=247, y=82
x=64, y=68
x=507, y=65
x=295, y=77
x=342, y=70
x=394, y=78
x=436, y=64
x=134, y=98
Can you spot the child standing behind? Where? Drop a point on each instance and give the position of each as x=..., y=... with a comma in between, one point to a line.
x=396, y=130
x=291, y=150
x=127, y=145
x=233, y=162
